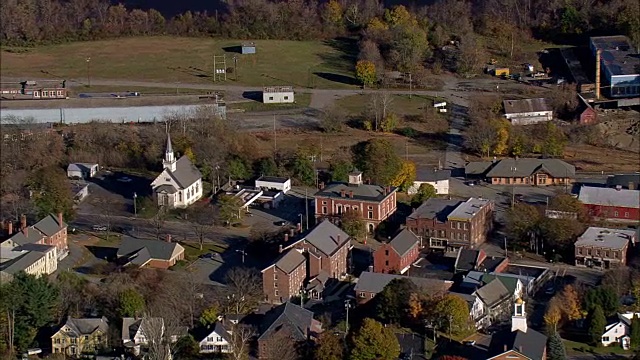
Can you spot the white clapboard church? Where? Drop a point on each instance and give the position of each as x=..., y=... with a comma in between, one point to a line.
x=180, y=183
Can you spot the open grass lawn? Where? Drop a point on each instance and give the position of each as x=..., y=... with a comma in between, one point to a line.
x=593, y=158
x=400, y=104
x=192, y=249
x=188, y=60
x=144, y=91
x=575, y=348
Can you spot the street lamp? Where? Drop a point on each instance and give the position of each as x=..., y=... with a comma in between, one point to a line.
x=243, y=254
x=135, y=204
x=300, y=215
x=88, y=72
x=347, y=305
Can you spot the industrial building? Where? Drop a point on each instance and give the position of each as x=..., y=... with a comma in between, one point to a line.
x=620, y=66
x=277, y=95
x=527, y=111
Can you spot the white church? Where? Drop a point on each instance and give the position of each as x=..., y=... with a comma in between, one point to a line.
x=180, y=183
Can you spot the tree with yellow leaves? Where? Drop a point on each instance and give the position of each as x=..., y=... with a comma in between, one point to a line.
x=375, y=24
x=502, y=140
x=553, y=315
x=366, y=72
x=406, y=176
x=399, y=16
x=334, y=12
x=570, y=301
x=415, y=307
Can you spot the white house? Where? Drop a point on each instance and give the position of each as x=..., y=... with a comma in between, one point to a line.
x=82, y=170
x=33, y=259
x=180, y=183
x=476, y=309
x=217, y=341
x=527, y=111
x=439, y=179
x=274, y=183
x=619, y=331
x=277, y=95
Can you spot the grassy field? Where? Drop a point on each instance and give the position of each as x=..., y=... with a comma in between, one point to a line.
x=594, y=158
x=144, y=91
x=192, y=250
x=400, y=104
x=576, y=348
x=186, y=60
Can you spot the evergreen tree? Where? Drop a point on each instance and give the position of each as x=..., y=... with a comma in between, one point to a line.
x=597, y=323
x=635, y=332
x=555, y=348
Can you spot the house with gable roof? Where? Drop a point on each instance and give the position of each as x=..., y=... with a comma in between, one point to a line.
x=286, y=325
x=80, y=336
x=397, y=255
x=152, y=253
x=180, y=183
x=285, y=277
x=531, y=171
x=217, y=338
x=520, y=342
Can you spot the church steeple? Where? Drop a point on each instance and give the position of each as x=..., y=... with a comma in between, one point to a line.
x=169, y=161
x=519, y=318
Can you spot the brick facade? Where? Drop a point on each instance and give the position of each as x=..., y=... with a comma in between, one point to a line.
x=335, y=265
x=613, y=212
x=279, y=286
x=387, y=260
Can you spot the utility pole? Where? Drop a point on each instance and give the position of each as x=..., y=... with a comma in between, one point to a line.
x=88, y=72
x=410, y=86
x=235, y=67
x=275, y=147
x=506, y=252
x=306, y=208
x=347, y=305
x=135, y=205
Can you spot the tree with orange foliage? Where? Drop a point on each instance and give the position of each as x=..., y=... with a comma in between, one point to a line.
x=415, y=307
x=571, y=304
x=553, y=315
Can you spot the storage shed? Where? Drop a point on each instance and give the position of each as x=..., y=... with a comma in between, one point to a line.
x=248, y=48
x=82, y=170
x=277, y=95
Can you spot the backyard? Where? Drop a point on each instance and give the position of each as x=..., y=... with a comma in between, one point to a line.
x=175, y=60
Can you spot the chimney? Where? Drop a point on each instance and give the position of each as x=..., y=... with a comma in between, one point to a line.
x=598, y=55
x=168, y=238
x=505, y=348
x=23, y=221
x=60, y=219
x=292, y=232
x=286, y=238
x=342, y=192
x=280, y=246
x=299, y=227
x=338, y=239
x=321, y=185
x=10, y=228
x=632, y=185
x=370, y=268
x=368, y=181
x=25, y=231
x=618, y=187
x=385, y=190
x=351, y=194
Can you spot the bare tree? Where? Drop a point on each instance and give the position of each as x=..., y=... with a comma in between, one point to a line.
x=379, y=105
x=240, y=341
x=202, y=221
x=275, y=349
x=158, y=221
x=245, y=289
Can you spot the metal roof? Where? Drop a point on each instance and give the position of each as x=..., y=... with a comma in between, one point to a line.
x=606, y=238
x=404, y=241
x=468, y=209
x=366, y=192
x=617, y=54
x=525, y=106
x=591, y=195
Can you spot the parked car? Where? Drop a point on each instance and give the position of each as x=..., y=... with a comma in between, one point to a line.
x=550, y=290
x=280, y=223
x=125, y=179
x=469, y=342
x=99, y=228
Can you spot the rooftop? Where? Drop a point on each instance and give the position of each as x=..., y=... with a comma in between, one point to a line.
x=365, y=192
x=624, y=180
x=325, y=237
x=273, y=179
x=375, y=282
x=428, y=173
x=477, y=167
x=493, y=292
x=277, y=89
x=289, y=261
x=524, y=167
x=468, y=209
x=404, y=241
x=299, y=318
x=525, y=106
x=531, y=344
x=435, y=208
x=591, y=195
x=87, y=326
x=606, y=238
x=617, y=54
x=157, y=249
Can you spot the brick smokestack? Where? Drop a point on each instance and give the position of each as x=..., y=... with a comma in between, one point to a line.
x=598, y=56
x=60, y=219
x=23, y=221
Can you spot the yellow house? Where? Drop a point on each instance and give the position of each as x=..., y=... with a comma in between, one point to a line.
x=81, y=336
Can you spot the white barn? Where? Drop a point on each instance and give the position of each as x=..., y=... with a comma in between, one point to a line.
x=180, y=183
x=274, y=183
x=435, y=177
x=82, y=170
x=527, y=111
x=277, y=95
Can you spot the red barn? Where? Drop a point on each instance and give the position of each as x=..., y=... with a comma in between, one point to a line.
x=397, y=255
x=611, y=203
x=588, y=116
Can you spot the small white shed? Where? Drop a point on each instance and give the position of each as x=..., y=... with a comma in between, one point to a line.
x=277, y=95
x=274, y=183
x=82, y=170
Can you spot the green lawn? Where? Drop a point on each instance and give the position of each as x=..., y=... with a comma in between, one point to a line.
x=144, y=91
x=302, y=100
x=574, y=347
x=187, y=60
x=400, y=104
x=192, y=249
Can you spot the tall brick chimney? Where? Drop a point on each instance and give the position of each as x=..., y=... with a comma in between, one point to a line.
x=23, y=221
x=60, y=219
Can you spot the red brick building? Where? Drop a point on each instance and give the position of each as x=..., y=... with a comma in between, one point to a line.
x=449, y=224
x=149, y=253
x=396, y=256
x=374, y=203
x=287, y=325
x=611, y=203
x=50, y=230
x=284, y=279
x=603, y=248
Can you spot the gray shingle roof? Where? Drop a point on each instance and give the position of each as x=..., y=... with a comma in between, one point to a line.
x=525, y=106
x=525, y=167
x=404, y=241
x=142, y=257
x=326, y=237
x=366, y=192
x=468, y=209
x=477, y=167
x=49, y=225
x=435, y=208
x=606, y=238
x=427, y=173
x=371, y=282
x=186, y=173
x=87, y=326
x=298, y=318
x=157, y=249
x=623, y=180
x=467, y=259
x=130, y=326
x=289, y=261
x=169, y=189
x=82, y=167
x=531, y=344
x=493, y=292
x=21, y=263
x=609, y=197
x=33, y=236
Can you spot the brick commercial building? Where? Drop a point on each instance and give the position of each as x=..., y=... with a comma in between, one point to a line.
x=50, y=230
x=396, y=256
x=449, y=224
x=611, y=203
x=284, y=278
x=603, y=248
x=374, y=203
x=537, y=172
